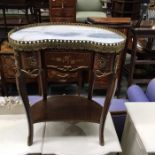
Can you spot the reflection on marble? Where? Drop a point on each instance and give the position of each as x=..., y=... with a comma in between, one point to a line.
x=99, y=35
x=66, y=32
x=73, y=130
x=81, y=138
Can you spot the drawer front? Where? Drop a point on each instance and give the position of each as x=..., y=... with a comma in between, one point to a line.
x=103, y=65
x=101, y=82
x=57, y=76
x=103, y=62
x=30, y=61
x=8, y=66
x=62, y=12
x=72, y=59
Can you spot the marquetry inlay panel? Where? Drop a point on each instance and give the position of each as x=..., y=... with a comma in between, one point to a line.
x=8, y=65
x=74, y=59
x=103, y=62
x=30, y=60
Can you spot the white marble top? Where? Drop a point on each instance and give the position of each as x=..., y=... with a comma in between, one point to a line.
x=81, y=138
x=56, y=137
x=13, y=135
x=143, y=117
x=67, y=32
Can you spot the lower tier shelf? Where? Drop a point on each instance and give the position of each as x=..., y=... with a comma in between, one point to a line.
x=66, y=108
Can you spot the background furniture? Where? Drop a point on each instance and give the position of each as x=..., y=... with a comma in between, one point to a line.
x=136, y=94
x=142, y=56
x=8, y=68
x=126, y=8
x=67, y=108
x=62, y=10
x=39, y=10
x=151, y=10
x=90, y=8
x=8, y=21
x=69, y=11
x=138, y=135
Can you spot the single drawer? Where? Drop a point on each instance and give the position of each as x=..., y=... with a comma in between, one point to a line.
x=103, y=65
x=101, y=82
x=30, y=60
x=103, y=62
x=73, y=59
x=60, y=77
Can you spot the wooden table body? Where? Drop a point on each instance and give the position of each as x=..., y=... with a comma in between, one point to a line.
x=78, y=55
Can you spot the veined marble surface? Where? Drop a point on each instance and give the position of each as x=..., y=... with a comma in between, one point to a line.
x=67, y=32
x=61, y=138
x=13, y=135
x=79, y=138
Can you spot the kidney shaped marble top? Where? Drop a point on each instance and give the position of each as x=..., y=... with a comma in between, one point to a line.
x=67, y=32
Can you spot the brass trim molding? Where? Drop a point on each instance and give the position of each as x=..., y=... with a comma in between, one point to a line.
x=66, y=44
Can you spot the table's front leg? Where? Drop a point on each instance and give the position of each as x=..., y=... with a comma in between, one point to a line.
x=21, y=86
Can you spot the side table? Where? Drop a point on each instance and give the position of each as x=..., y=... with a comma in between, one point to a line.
x=74, y=40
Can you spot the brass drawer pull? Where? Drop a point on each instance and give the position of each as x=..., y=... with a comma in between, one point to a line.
x=100, y=74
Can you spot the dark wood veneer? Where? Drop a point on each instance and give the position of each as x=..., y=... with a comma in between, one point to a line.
x=69, y=108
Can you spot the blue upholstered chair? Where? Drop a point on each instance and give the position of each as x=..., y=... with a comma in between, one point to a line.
x=136, y=94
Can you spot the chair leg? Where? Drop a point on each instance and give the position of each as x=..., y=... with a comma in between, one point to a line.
x=132, y=69
x=132, y=62
x=27, y=15
x=5, y=21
